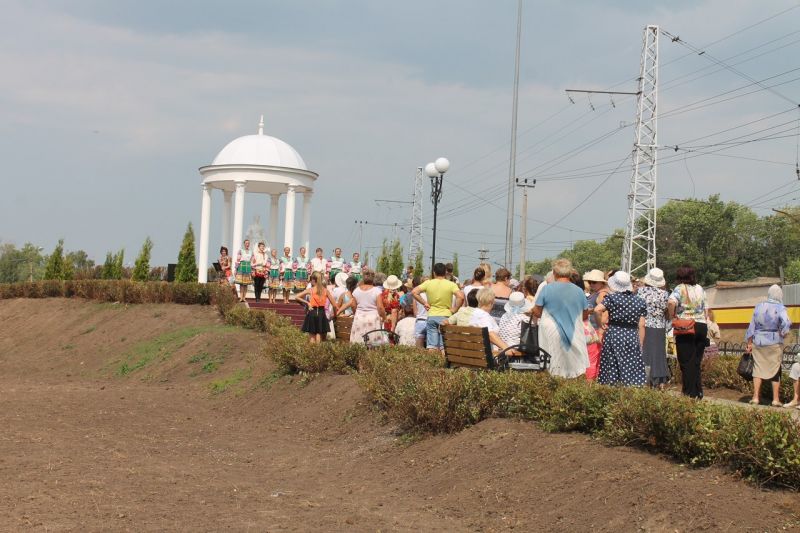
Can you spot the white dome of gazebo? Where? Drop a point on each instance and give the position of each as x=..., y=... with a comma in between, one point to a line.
x=259, y=150
x=258, y=164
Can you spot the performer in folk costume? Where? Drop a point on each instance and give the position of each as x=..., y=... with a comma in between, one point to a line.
x=301, y=266
x=259, y=263
x=354, y=268
x=274, y=275
x=243, y=269
x=336, y=264
x=318, y=263
x=287, y=273
x=225, y=266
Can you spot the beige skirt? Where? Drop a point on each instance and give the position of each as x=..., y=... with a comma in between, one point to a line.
x=767, y=360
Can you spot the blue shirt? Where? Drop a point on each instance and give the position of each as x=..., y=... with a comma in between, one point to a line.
x=565, y=302
x=769, y=325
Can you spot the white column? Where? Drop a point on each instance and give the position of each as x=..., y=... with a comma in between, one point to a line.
x=227, y=213
x=238, y=218
x=306, y=220
x=273, y=220
x=205, y=226
x=288, y=239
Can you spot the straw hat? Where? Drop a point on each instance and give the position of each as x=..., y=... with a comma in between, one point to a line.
x=392, y=283
x=655, y=278
x=595, y=275
x=620, y=282
x=517, y=303
x=340, y=280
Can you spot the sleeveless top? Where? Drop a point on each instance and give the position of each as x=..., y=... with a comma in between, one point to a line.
x=366, y=301
x=317, y=300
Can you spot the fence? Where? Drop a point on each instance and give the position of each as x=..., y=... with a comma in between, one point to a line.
x=790, y=351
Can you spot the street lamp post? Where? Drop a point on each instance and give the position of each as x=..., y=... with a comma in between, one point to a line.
x=435, y=171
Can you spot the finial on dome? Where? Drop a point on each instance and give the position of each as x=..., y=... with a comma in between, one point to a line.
x=261, y=125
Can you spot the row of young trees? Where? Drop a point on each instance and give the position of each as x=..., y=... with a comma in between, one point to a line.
x=390, y=260
x=28, y=263
x=722, y=240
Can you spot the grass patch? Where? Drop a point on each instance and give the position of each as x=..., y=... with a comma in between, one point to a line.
x=68, y=347
x=88, y=330
x=160, y=348
x=221, y=385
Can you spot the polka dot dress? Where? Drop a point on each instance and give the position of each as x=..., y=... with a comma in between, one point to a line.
x=621, y=360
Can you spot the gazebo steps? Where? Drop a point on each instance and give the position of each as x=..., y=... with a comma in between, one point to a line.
x=295, y=312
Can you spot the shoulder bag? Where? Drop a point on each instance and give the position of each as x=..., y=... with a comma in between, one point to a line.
x=683, y=326
x=745, y=368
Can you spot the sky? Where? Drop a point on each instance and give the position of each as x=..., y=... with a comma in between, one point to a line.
x=107, y=110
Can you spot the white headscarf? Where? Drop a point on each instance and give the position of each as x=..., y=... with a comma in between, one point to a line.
x=775, y=293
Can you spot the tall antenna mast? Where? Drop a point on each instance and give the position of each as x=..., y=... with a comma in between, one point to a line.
x=512, y=165
x=639, y=248
x=415, y=241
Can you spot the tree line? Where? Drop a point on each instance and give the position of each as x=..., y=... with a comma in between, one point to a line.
x=28, y=263
x=722, y=240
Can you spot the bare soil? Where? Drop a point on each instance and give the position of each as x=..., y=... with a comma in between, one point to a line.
x=204, y=436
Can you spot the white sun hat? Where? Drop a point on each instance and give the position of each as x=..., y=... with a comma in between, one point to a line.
x=620, y=282
x=392, y=283
x=655, y=278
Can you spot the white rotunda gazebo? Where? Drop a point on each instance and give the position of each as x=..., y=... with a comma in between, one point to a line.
x=255, y=164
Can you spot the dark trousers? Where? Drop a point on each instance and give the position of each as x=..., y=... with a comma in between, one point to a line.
x=690, y=356
x=258, y=285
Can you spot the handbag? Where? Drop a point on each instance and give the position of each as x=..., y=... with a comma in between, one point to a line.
x=529, y=337
x=683, y=326
x=745, y=368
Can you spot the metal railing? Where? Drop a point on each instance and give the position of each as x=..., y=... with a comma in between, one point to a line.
x=790, y=351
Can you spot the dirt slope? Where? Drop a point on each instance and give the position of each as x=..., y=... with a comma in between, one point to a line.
x=86, y=445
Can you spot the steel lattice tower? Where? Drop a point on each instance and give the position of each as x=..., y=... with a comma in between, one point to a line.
x=415, y=242
x=639, y=248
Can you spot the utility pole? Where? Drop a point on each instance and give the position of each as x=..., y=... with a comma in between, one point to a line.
x=415, y=239
x=640, y=231
x=512, y=164
x=525, y=184
x=360, y=236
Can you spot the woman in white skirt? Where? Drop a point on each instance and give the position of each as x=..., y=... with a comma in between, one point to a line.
x=368, y=312
x=561, y=308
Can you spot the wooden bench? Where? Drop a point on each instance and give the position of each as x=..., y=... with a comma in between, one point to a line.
x=468, y=347
x=342, y=326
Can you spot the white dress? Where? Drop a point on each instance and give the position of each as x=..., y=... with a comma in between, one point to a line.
x=567, y=362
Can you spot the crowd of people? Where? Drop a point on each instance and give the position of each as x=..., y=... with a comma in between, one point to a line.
x=605, y=326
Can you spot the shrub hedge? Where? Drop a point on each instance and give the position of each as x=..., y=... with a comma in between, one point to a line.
x=122, y=291
x=419, y=395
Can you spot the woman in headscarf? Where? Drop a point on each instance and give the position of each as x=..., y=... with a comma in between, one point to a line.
x=769, y=325
x=561, y=309
x=621, y=359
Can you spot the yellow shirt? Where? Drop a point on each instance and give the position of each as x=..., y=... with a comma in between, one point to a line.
x=440, y=296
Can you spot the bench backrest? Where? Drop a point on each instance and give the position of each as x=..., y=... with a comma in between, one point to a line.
x=342, y=326
x=467, y=346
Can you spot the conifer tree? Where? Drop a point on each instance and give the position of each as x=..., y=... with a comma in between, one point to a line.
x=186, y=269
x=396, y=259
x=55, y=263
x=418, y=267
x=141, y=270
x=383, y=260
x=108, y=267
x=119, y=259
x=455, y=265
